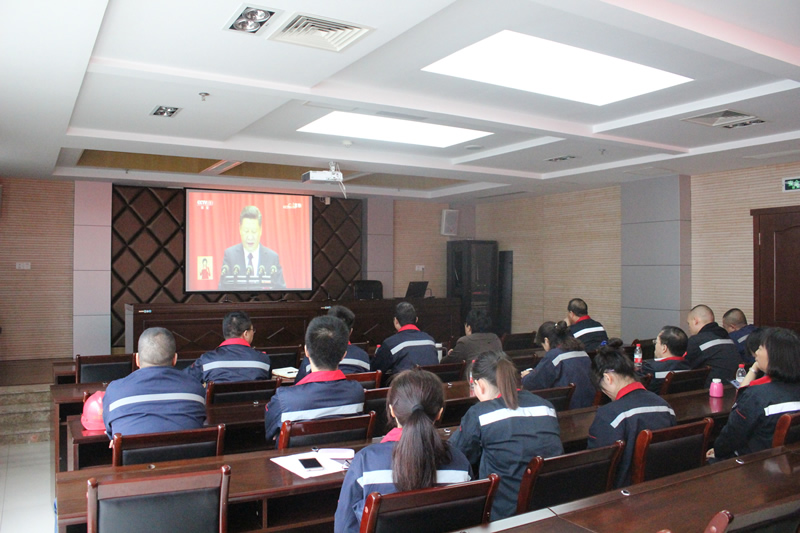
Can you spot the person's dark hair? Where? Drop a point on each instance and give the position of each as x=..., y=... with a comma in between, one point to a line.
x=578, y=307
x=156, y=347
x=405, y=314
x=783, y=354
x=734, y=317
x=235, y=323
x=326, y=341
x=610, y=358
x=479, y=320
x=497, y=369
x=205, y=261
x=344, y=314
x=416, y=397
x=675, y=339
x=250, y=211
x=753, y=341
x=559, y=336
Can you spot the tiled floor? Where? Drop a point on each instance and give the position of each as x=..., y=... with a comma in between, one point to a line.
x=25, y=491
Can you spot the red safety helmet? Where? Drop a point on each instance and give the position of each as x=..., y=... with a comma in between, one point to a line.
x=92, y=417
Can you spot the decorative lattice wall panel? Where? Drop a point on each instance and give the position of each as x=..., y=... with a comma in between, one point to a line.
x=147, y=251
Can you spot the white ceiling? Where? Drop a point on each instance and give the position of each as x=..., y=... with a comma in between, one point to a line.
x=92, y=72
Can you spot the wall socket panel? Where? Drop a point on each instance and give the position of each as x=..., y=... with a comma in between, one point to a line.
x=23, y=266
x=420, y=268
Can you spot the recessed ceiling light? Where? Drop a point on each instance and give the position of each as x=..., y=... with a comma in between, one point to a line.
x=165, y=111
x=251, y=19
x=527, y=63
x=390, y=129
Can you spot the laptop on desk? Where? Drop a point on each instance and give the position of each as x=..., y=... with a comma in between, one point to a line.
x=416, y=289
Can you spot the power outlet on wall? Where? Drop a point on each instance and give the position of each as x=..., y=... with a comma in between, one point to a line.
x=420, y=268
x=23, y=266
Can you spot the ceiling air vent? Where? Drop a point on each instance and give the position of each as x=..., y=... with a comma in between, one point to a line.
x=725, y=118
x=320, y=33
x=561, y=158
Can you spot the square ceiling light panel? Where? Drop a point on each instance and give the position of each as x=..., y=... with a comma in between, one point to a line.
x=356, y=125
x=527, y=63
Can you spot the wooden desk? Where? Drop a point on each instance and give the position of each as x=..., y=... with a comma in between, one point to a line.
x=244, y=430
x=198, y=327
x=688, y=406
x=63, y=373
x=67, y=401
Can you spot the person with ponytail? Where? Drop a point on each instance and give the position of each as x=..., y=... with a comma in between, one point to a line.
x=565, y=362
x=632, y=410
x=412, y=456
x=506, y=429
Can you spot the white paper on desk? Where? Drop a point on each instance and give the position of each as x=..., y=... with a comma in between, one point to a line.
x=292, y=464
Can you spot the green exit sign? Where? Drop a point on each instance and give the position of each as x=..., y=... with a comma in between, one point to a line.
x=791, y=184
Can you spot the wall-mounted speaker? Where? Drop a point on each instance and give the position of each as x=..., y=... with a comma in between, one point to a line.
x=449, y=222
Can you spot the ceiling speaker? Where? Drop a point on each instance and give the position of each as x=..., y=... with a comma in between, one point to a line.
x=449, y=222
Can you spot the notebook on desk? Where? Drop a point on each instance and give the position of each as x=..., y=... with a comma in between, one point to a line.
x=416, y=289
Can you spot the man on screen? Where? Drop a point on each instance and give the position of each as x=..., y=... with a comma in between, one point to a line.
x=250, y=260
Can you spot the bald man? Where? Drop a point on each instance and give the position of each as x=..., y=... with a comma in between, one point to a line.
x=735, y=323
x=709, y=345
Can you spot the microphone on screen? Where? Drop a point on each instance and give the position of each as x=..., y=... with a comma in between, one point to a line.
x=249, y=270
x=262, y=271
x=236, y=270
x=224, y=270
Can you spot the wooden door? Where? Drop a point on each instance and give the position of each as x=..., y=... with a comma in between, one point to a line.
x=776, y=264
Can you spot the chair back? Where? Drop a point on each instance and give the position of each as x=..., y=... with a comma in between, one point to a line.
x=375, y=400
x=562, y=479
x=787, y=430
x=368, y=380
x=167, y=446
x=517, y=341
x=558, y=396
x=662, y=452
x=526, y=361
x=150, y=504
x=102, y=368
x=367, y=289
x=449, y=508
x=685, y=381
x=648, y=347
x=184, y=362
x=283, y=356
x=454, y=410
x=241, y=391
x=600, y=399
x=326, y=431
x=772, y=517
x=447, y=371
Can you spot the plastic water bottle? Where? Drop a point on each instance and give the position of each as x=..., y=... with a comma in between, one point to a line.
x=637, y=356
x=740, y=373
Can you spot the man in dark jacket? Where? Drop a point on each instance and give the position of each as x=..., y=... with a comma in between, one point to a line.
x=709, y=345
x=590, y=332
x=406, y=348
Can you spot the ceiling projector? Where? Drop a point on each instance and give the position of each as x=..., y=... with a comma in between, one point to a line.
x=323, y=175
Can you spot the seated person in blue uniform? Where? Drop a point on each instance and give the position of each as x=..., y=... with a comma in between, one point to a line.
x=590, y=332
x=735, y=323
x=478, y=339
x=632, y=410
x=355, y=360
x=759, y=405
x=670, y=354
x=709, y=345
x=506, y=429
x=157, y=397
x=406, y=348
x=323, y=393
x=234, y=359
x=410, y=457
x=565, y=362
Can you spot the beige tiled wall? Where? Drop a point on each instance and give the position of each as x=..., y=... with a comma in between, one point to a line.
x=417, y=242
x=565, y=246
x=722, y=232
x=36, y=226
